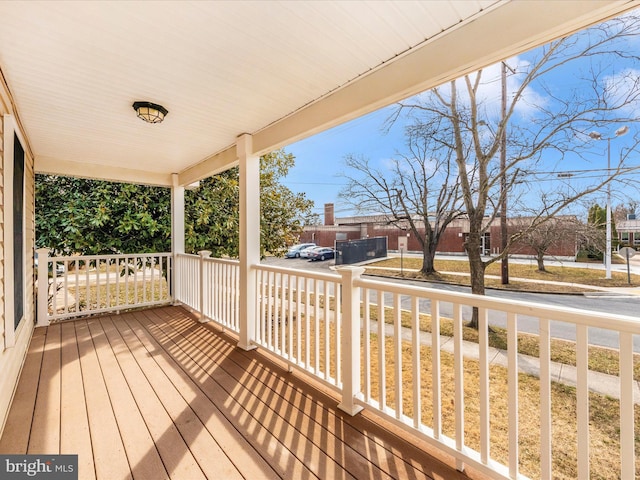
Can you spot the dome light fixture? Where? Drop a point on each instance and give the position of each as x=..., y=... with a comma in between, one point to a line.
x=150, y=112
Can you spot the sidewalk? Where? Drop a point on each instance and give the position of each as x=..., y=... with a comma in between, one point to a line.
x=601, y=383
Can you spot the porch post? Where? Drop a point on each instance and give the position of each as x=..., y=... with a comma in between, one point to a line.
x=249, y=237
x=177, y=231
x=42, y=301
x=203, y=291
x=350, y=339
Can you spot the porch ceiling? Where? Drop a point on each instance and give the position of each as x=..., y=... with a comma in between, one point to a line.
x=278, y=70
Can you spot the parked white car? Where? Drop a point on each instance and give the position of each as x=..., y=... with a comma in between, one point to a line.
x=294, y=252
x=306, y=253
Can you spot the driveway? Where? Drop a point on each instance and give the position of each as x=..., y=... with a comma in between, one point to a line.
x=300, y=263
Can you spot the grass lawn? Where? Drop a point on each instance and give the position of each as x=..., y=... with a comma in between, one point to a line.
x=603, y=411
x=567, y=275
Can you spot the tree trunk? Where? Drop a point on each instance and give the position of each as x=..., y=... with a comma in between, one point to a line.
x=476, y=270
x=428, y=256
x=540, y=260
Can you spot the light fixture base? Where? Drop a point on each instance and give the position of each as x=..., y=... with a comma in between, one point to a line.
x=150, y=112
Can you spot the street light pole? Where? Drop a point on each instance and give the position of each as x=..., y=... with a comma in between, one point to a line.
x=607, y=254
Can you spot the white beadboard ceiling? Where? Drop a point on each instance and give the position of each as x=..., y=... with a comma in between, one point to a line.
x=279, y=70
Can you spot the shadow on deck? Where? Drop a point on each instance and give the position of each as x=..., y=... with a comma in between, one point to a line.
x=154, y=394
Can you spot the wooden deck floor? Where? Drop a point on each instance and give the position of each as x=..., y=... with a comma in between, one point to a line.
x=154, y=394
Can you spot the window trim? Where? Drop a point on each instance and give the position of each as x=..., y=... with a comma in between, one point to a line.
x=11, y=131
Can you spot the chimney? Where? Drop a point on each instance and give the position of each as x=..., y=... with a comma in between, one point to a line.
x=329, y=218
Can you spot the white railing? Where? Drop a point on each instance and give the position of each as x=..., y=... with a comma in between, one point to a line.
x=187, y=280
x=299, y=319
x=209, y=287
x=73, y=286
x=400, y=392
x=327, y=325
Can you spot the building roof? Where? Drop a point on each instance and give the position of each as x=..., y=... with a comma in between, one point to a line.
x=628, y=226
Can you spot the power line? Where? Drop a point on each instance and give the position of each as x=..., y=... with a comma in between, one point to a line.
x=314, y=183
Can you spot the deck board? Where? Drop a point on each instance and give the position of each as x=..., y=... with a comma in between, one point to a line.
x=75, y=436
x=45, y=430
x=195, y=415
x=154, y=394
x=144, y=459
x=244, y=410
x=109, y=455
x=172, y=449
x=280, y=403
x=15, y=438
x=317, y=419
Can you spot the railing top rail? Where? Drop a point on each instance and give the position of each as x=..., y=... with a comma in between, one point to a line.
x=228, y=261
x=539, y=310
x=298, y=273
x=61, y=258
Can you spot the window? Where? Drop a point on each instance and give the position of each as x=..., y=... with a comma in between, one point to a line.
x=624, y=237
x=18, y=230
x=13, y=160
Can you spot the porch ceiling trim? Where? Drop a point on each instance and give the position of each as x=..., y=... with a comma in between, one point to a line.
x=54, y=166
x=439, y=60
x=216, y=163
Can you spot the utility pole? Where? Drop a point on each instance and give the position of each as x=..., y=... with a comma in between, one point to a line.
x=503, y=180
x=607, y=253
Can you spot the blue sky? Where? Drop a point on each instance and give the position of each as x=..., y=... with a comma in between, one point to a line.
x=319, y=159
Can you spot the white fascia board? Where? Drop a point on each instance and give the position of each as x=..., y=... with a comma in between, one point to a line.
x=53, y=166
x=505, y=30
x=211, y=165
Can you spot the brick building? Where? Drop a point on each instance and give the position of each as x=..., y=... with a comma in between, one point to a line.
x=451, y=242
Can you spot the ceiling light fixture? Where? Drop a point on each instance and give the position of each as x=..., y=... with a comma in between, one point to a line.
x=150, y=112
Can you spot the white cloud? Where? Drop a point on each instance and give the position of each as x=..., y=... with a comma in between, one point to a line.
x=624, y=88
x=489, y=95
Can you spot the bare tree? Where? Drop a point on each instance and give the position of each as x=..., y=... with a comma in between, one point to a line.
x=591, y=237
x=622, y=210
x=312, y=219
x=555, y=233
x=458, y=118
x=419, y=192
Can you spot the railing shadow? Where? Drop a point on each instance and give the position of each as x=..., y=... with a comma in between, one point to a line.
x=286, y=422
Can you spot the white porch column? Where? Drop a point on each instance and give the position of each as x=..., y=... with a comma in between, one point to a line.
x=249, y=237
x=350, y=339
x=177, y=230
